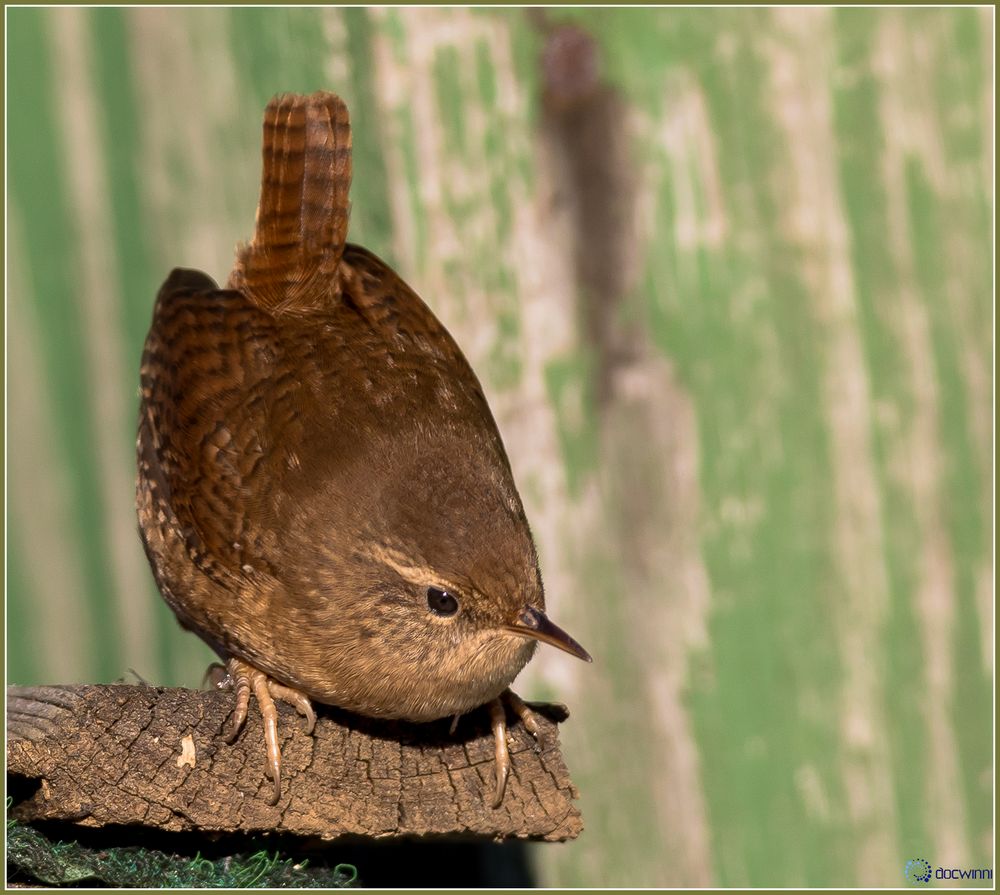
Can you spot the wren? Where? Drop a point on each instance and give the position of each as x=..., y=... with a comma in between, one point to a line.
x=322, y=493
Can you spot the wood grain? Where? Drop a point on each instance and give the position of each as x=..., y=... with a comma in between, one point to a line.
x=139, y=755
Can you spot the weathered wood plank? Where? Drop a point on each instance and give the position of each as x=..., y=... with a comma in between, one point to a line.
x=154, y=757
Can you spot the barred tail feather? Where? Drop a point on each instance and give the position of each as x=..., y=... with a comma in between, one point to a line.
x=292, y=262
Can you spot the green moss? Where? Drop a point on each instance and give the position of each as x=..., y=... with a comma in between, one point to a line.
x=32, y=855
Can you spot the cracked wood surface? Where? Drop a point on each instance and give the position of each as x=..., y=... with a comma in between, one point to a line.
x=141, y=755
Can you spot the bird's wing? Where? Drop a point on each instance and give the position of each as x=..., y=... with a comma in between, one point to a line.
x=408, y=327
x=211, y=401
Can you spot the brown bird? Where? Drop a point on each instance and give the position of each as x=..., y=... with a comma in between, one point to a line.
x=322, y=492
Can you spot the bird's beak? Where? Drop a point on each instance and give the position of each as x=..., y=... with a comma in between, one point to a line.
x=534, y=624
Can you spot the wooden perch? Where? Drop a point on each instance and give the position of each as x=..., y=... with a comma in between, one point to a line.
x=154, y=757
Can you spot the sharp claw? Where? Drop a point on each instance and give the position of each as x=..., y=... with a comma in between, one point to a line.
x=310, y=721
x=273, y=772
x=502, y=772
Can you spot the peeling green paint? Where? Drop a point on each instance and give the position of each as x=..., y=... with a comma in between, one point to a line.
x=137, y=276
x=970, y=543
x=51, y=264
x=371, y=219
x=25, y=652
x=857, y=119
x=485, y=75
x=568, y=384
x=278, y=50
x=450, y=100
x=406, y=126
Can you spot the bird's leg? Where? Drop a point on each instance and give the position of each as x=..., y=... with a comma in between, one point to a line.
x=269, y=712
x=527, y=716
x=246, y=679
x=239, y=679
x=498, y=721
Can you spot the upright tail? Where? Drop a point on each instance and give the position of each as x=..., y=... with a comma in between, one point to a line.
x=291, y=263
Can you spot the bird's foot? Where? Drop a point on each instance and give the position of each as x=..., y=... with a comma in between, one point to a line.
x=528, y=718
x=244, y=679
x=498, y=721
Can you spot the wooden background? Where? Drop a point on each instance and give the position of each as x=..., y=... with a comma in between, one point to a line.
x=735, y=322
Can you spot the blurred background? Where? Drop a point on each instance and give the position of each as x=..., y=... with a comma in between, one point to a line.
x=726, y=276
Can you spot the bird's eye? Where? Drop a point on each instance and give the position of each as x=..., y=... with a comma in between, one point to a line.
x=441, y=602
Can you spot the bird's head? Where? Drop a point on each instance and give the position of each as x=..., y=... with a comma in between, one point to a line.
x=448, y=600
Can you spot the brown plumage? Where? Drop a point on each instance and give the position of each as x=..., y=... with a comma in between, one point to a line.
x=323, y=494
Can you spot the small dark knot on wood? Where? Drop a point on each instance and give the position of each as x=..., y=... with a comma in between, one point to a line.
x=139, y=755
